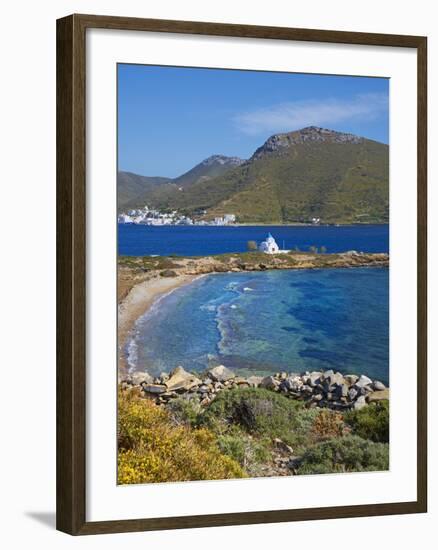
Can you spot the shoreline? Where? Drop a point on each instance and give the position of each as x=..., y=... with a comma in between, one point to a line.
x=137, y=302
x=143, y=280
x=264, y=224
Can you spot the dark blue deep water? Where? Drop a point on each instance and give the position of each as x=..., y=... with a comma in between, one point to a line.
x=263, y=322
x=141, y=240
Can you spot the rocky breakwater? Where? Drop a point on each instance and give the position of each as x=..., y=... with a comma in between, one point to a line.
x=317, y=389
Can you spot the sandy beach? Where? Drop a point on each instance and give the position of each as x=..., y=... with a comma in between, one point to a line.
x=138, y=300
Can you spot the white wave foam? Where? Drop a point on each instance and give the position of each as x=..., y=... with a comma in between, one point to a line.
x=132, y=354
x=207, y=307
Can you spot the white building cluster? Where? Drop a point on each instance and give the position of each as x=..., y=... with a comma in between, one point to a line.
x=147, y=216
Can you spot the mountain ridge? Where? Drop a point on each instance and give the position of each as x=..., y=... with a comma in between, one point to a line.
x=292, y=177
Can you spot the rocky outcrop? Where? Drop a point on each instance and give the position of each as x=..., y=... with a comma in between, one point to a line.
x=328, y=388
x=280, y=142
x=223, y=160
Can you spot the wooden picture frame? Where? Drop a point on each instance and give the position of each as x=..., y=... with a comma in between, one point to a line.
x=71, y=274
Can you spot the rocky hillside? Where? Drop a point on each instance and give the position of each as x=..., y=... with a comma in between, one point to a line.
x=135, y=191
x=208, y=169
x=132, y=189
x=292, y=178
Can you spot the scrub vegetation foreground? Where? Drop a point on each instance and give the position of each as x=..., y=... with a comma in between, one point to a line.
x=245, y=432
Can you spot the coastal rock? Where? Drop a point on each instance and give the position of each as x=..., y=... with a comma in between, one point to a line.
x=269, y=383
x=221, y=374
x=363, y=381
x=314, y=378
x=182, y=380
x=328, y=374
x=351, y=379
x=335, y=379
x=154, y=388
x=137, y=378
x=352, y=393
x=360, y=403
x=375, y=396
x=341, y=391
x=254, y=381
x=306, y=390
x=292, y=383
x=318, y=389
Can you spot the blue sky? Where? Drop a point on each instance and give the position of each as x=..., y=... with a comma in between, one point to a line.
x=171, y=118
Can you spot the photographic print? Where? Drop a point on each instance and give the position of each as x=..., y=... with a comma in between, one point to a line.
x=253, y=274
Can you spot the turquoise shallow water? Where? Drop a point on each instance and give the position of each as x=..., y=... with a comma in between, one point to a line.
x=263, y=322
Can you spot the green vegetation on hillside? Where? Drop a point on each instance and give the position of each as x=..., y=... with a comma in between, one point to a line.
x=132, y=189
x=331, y=179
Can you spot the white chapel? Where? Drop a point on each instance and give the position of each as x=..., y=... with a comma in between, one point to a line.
x=269, y=246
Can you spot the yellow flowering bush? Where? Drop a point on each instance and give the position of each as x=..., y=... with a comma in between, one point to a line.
x=152, y=449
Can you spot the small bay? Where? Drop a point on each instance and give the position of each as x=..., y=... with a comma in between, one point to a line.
x=263, y=322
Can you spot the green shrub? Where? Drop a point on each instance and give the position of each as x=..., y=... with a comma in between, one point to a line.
x=152, y=449
x=371, y=422
x=345, y=454
x=262, y=413
x=184, y=411
x=248, y=451
x=168, y=273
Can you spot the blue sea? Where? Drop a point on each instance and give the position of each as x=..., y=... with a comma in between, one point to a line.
x=141, y=240
x=263, y=322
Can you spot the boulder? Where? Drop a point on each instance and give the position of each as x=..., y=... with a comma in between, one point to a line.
x=352, y=394
x=182, y=380
x=221, y=374
x=269, y=383
x=313, y=378
x=254, y=381
x=378, y=395
x=351, y=379
x=378, y=386
x=335, y=379
x=138, y=378
x=363, y=381
x=340, y=390
x=292, y=383
x=360, y=403
x=156, y=389
x=306, y=389
x=328, y=374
